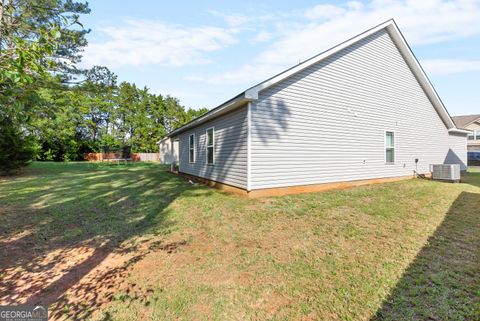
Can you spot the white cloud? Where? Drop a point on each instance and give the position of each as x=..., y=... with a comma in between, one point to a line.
x=263, y=36
x=355, y=5
x=233, y=20
x=144, y=42
x=324, y=11
x=247, y=73
x=450, y=66
x=422, y=22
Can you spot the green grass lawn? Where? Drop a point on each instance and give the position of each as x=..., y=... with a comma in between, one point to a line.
x=474, y=169
x=134, y=242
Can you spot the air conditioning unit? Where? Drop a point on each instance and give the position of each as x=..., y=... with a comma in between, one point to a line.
x=446, y=172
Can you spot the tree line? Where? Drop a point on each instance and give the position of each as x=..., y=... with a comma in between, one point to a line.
x=52, y=110
x=100, y=114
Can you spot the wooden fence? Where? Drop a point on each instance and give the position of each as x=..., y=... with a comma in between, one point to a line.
x=136, y=157
x=147, y=157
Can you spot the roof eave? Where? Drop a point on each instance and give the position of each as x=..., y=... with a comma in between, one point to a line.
x=402, y=45
x=420, y=74
x=161, y=140
x=251, y=94
x=307, y=63
x=459, y=131
x=227, y=106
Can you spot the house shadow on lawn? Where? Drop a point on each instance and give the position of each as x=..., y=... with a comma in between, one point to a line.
x=443, y=282
x=61, y=222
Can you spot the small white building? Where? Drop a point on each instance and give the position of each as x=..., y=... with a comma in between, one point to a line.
x=362, y=111
x=168, y=150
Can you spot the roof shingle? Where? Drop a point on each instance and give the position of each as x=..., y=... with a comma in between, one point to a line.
x=462, y=121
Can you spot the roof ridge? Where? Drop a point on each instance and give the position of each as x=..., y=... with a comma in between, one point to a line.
x=251, y=94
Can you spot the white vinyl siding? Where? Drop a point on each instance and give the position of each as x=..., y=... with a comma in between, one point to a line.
x=298, y=126
x=229, y=149
x=457, y=151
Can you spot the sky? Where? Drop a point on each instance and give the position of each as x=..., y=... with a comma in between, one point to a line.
x=206, y=52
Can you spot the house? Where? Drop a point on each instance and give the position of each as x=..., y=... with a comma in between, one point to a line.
x=361, y=112
x=472, y=123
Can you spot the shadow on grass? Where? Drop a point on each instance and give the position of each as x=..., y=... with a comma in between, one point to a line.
x=443, y=282
x=61, y=221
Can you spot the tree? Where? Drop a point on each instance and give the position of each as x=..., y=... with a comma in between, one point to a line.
x=47, y=105
x=57, y=134
x=40, y=41
x=31, y=20
x=126, y=101
x=16, y=147
x=97, y=101
x=194, y=113
x=82, y=117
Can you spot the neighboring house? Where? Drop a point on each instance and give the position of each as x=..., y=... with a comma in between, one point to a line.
x=359, y=112
x=472, y=123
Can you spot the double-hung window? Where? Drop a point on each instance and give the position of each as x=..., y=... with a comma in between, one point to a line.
x=191, y=148
x=210, y=145
x=389, y=147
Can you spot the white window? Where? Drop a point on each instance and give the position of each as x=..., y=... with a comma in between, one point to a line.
x=210, y=145
x=191, y=148
x=389, y=147
x=474, y=136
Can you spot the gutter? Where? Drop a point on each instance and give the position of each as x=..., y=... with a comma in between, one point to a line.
x=459, y=131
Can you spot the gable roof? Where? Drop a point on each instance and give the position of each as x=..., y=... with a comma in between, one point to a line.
x=464, y=121
x=390, y=26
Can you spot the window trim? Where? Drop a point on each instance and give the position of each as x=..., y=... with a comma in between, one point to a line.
x=207, y=146
x=190, y=148
x=389, y=147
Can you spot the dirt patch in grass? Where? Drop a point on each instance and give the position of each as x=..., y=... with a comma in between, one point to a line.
x=75, y=280
x=69, y=233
